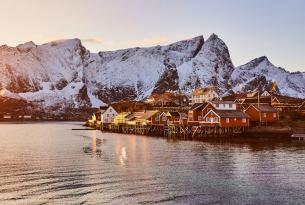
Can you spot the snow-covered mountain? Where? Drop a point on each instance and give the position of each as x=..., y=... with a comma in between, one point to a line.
x=259, y=74
x=65, y=74
x=211, y=66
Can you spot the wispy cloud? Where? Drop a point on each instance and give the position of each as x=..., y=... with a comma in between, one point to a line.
x=92, y=40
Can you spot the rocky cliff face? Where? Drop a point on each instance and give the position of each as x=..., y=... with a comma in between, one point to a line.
x=211, y=66
x=65, y=74
x=135, y=73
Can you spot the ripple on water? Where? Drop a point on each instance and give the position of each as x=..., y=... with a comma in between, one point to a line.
x=89, y=167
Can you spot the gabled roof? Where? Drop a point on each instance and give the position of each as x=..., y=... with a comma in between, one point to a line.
x=102, y=111
x=197, y=106
x=229, y=113
x=147, y=114
x=264, y=108
x=124, y=114
x=174, y=114
x=265, y=93
x=142, y=115
x=287, y=99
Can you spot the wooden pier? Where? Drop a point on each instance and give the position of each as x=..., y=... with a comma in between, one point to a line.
x=171, y=130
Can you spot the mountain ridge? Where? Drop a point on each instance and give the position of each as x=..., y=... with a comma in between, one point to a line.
x=64, y=73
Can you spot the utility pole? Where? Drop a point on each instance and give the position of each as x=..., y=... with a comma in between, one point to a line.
x=258, y=98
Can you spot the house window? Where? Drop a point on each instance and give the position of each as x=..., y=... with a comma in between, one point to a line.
x=107, y=115
x=217, y=105
x=244, y=120
x=227, y=120
x=274, y=115
x=230, y=105
x=265, y=115
x=110, y=110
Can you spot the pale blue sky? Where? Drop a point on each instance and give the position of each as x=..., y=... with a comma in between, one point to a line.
x=250, y=28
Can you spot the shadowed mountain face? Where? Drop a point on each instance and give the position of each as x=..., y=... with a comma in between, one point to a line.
x=64, y=74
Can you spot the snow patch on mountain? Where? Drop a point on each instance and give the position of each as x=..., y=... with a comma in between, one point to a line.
x=211, y=66
x=63, y=73
x=137, y=70
x=291, y=84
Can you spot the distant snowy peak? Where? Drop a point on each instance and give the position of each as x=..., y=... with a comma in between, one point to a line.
x=260, y=73
x=64, y=74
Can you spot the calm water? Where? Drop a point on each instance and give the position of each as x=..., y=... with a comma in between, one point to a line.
x=48, y=163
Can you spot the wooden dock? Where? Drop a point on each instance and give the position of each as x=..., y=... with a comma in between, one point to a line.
x=171, y=130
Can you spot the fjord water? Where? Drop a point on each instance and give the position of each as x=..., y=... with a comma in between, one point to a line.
x=49, y=163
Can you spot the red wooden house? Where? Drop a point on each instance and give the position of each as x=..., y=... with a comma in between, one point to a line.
x=262, y=113
x=198, y=110
x=226, y=118
x=169, y=117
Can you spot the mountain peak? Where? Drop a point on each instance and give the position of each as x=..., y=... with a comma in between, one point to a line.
x=65, y=42
x=213, y=37
x=259, y=60
x=263, y=58
x=26, y=46
x=64, y=73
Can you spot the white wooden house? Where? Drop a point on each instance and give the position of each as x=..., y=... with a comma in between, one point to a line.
x=108, y=115
x=224, y=105
x=202, y=95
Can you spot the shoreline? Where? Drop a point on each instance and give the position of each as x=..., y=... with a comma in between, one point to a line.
x=261, y=132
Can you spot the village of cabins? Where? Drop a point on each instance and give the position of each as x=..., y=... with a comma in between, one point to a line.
x=204, y=114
